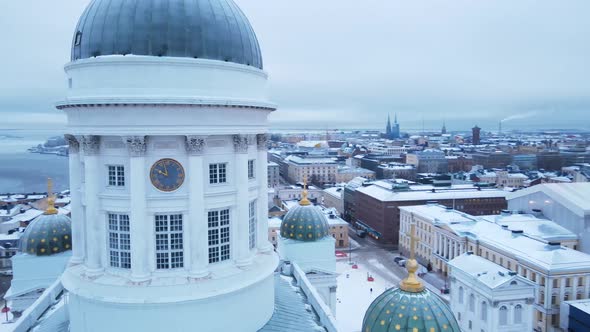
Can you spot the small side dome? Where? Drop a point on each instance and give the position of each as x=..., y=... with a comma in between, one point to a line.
x=305, y=222
x=411, y=307
x=398, y=310
x=46, y=235
x=49, y=233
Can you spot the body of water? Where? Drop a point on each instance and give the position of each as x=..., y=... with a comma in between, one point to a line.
x=24, y=172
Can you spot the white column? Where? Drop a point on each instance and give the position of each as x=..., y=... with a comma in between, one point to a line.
x=94, y=221
x=586, y=287
x=139, y=225
x=78, y=223
x=243, y=256
x=198, y=242
x=262, y=178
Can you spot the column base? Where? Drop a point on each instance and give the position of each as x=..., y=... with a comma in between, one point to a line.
x=241, y=263
x=199, y=274
x=266, y=248
x=139, y=279
x=94, y=272
x=76, y=261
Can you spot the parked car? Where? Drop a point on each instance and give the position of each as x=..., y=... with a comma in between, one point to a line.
x=402, y=263
x=361, y=233
x=397, y=259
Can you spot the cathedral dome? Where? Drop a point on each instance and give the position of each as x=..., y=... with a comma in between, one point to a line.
x=399, y=310
x=49, y=233
x=207, y=29
x=409, y=308
x=46, y=235
x=305, y=222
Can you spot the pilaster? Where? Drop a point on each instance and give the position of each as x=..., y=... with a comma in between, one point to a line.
x=78, y=223
x=95, y=222
x=198, y=243
x=243, y=255
x=262, y=178
x=139, y=222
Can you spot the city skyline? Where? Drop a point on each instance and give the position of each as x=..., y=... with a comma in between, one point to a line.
x=465, y=62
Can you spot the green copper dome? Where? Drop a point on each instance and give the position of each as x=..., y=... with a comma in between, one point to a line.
x=305, y=223
x=399, y=310
x=46, y=235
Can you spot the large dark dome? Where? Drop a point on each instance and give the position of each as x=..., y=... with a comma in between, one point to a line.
x=208, y=29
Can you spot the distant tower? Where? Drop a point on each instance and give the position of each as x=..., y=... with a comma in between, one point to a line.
x=395, y=130
x=444, y=128
x=388, y=128
x=476, y=139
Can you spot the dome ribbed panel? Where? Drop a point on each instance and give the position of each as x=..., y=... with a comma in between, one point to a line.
x=207, y=29
x=47, y=235
x=397, y=310
x=305, y=223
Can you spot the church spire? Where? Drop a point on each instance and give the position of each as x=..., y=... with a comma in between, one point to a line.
x=388, y=128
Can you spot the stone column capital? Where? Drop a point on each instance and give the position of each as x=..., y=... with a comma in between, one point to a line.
x=73, y=143
x=91, y=144
x=137, y=145
x=262, y=141
x=195, y=145
x=241, y=143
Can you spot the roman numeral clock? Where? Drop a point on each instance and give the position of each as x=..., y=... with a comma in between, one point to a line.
x=167, y=175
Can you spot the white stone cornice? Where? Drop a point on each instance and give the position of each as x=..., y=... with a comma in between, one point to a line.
x=195, y=145
x=241, y=143
x=73, y=143
x=137, y=145
x=91, y=144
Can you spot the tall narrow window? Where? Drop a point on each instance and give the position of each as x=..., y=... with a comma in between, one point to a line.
x=461, y=294
x=78, y=38
x=472, y=303
x=518, y=314
x=252, y=224
x=484, y=311
x=119, y=241
x=503, y=315
x=219, y=246
x=116, y=176
x=251, y=173
x=169, y=242
x=217, y=173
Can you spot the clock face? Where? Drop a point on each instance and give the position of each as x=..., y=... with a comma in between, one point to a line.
x=167, y=175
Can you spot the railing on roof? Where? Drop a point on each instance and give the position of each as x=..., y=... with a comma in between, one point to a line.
x=324, y=312
x=31, y=316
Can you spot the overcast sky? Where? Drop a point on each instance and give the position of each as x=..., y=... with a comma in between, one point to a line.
x=343, y=64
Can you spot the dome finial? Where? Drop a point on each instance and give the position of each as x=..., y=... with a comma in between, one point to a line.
x=304, y=200
x=50, y=199
x=412, y=284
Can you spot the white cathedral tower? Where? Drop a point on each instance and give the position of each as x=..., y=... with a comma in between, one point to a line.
x=167, y=114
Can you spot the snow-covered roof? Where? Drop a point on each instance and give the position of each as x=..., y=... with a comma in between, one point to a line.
x=582, y=305
x=274, y=222
x=438, y=213
x=573, y=196
x=292, y=313
x=334, y=191
x=542, y=229
x=484, y=271
x=309, y=160
x=386, y=195
x=272, y=163
x=552, y=258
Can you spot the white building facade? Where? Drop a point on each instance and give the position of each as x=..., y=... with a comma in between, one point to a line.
x=168, y=172
x=488, y=298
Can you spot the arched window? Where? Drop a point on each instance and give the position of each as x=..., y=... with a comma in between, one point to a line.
x=484, y=311
x=461, y=294
x=503, y=315
x=472, y=303
x=518, y=314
